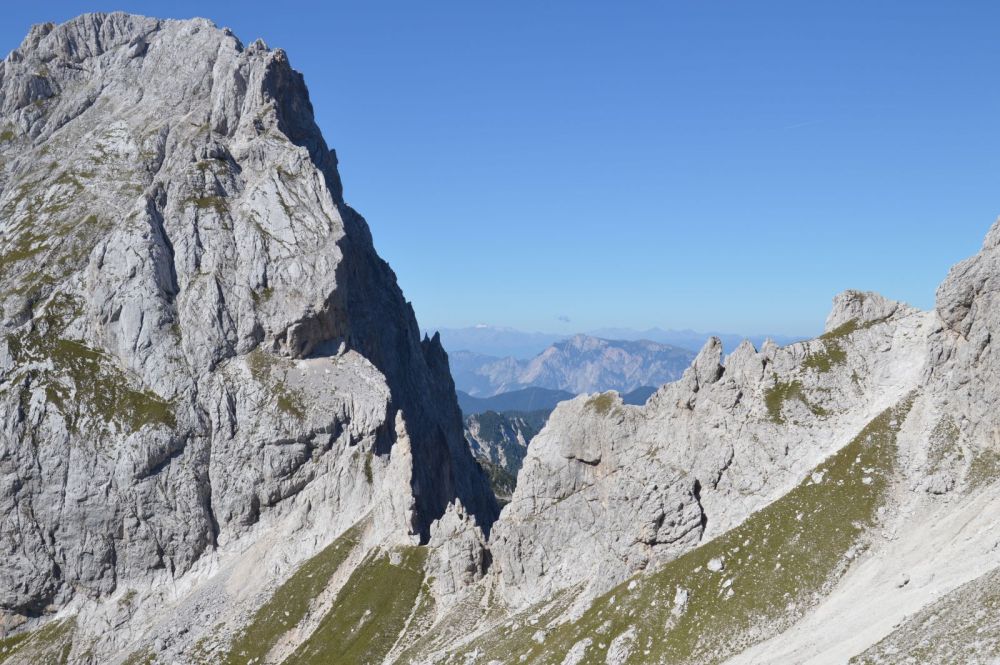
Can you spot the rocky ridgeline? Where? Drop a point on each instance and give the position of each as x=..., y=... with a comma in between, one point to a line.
x=224, y=442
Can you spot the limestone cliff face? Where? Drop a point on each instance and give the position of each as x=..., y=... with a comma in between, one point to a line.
x=195, y=326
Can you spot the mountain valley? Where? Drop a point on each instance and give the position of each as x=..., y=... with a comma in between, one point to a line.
x=224, y=439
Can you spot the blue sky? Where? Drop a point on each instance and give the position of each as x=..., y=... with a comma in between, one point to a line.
x=565, y=166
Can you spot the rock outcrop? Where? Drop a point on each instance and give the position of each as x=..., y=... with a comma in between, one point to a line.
x=196, y=326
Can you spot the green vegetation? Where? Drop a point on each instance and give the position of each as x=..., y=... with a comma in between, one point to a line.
x=371, y=612
x=501, y=480
x=96, y=386
x=507, y=433
x=833, y=353
x=368, y=467
x=943, y=444
x=262, y=367
x=260, y=363
x=469, y=615
x=6, y=135
x=292, y=403
x=263, y=295
x=291, y=602
x=217, y=203
x=289, y=213
x=141, y=657
x=740, y=588
x=602, y=403
x=22, y=247
x=960, y=627
x=216, y=166
x=781, y=392
x=984, y=468
x=499, y=427
x=69, y=180
x=51, y=644
x=823, y=361
x=9, y=645
x=32, y=263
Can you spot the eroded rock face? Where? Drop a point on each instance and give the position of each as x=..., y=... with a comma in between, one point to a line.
x=459, y=556
x=195, y=324
x=961, y=375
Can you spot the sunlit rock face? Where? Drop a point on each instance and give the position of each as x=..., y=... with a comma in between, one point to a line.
x=196, y=327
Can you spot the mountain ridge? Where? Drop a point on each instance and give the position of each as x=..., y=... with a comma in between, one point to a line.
x=500, y=341
x=579, y=364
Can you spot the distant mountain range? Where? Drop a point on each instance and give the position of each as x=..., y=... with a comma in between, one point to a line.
x=499, y=342
x=495, y=341
x=690, y=339
x=581, y=364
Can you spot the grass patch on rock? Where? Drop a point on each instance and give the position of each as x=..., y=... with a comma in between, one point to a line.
x=10, y=645
x=84, y=384
x=783, y=391
x=291, y=602
x=984, y=468
x=943, y=444
x=602, y=403
x=962, y=626
x=51, y=644
x=216, y=203
x=266, y=369
x=141, y=657
x=370, y=613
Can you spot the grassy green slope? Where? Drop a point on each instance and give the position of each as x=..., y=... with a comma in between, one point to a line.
x=371, y=612
x=50, y=644
x=291, y=602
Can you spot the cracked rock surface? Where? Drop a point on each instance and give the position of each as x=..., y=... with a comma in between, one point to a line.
x=195, y=325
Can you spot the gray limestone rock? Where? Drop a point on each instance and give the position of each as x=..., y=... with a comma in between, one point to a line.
x=195, y=325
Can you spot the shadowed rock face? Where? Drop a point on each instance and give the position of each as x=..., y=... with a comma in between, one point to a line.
x=195, y=326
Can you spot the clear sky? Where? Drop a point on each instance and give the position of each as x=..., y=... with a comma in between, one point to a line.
x=717, y=165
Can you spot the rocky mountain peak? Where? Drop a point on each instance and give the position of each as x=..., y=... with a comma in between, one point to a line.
x=969, y=292
x=197, y=331
x=859, y=308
